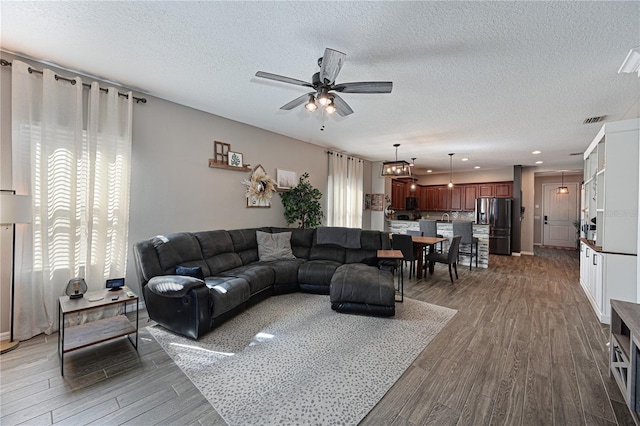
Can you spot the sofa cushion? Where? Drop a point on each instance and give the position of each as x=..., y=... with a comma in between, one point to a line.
x=217, y=250
x=194, y=271
x=226, y=293
x=274, y=246
x=245, y=244
x=181, y=248
x=286, y=271
x=317, y=272
x=301, y=240
x=258, y=276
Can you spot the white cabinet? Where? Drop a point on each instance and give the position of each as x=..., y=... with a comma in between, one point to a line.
x=608, y=264
x=606, y=276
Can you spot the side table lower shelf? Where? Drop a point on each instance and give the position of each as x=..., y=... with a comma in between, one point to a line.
x=92, y=333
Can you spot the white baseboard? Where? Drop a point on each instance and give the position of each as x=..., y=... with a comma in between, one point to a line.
x=527, y=253
x=537, y=244
x=516, y=254
x=5, y=335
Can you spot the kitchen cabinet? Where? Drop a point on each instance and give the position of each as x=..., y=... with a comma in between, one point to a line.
x=443, y=199
x=470, y=195
x=486, y=190
x=456, y=198
x=398, y=194
x=503, y=190
x=422, y=198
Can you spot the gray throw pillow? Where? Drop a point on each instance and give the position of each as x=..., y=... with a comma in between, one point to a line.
x=274, y=246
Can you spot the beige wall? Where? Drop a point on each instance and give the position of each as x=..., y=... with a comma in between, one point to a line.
x=475, y=176
x=172, y=187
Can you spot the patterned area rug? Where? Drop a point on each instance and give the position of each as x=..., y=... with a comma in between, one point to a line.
x=290, y=359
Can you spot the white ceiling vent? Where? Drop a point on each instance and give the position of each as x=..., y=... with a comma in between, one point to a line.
x=592, y=120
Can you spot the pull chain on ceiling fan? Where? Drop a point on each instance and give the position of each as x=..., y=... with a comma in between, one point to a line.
x=324, y=86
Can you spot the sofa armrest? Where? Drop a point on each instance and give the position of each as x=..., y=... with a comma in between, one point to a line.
x=179, y=303
x=173, y=285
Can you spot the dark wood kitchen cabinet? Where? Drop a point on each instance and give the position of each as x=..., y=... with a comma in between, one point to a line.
x=503, y=190
x=486, y=190
x=470, y=195
x=398, y=194
x=457, y=200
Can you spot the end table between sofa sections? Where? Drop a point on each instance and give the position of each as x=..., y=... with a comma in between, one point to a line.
x=395, y=255
x=98, y=331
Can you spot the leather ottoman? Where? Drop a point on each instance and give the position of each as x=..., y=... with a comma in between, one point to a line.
x=361, y=289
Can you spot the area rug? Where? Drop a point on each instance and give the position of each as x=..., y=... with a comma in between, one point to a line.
x=290, y=359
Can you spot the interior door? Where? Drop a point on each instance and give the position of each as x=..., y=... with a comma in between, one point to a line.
x=559, y=211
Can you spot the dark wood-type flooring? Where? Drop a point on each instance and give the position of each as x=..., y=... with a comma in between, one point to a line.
x=524, y=348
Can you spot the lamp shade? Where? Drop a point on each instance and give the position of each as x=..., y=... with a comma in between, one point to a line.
x=15, y=209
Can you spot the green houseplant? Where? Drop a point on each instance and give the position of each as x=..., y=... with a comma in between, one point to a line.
x=301, y=204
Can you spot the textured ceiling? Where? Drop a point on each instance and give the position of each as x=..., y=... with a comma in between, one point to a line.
x=490, y=81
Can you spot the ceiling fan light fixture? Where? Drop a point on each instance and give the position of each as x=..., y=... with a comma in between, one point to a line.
x=311, y=104
x=323, y=97
x=330, y=108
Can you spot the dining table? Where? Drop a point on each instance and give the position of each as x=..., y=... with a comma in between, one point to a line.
x=419, y=244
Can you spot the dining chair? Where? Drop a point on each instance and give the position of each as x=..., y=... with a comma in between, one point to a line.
x=429, y=228
x=468, y=241
x=450, y=257
x=404, y=243
x=416, y=233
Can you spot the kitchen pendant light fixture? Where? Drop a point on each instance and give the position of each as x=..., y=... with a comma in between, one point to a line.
x=398, y=168
x=450, y=170
x=413, y=186
x=562, y=189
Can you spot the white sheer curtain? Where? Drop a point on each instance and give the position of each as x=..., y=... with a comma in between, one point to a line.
x=344, y=198
x=79, y=183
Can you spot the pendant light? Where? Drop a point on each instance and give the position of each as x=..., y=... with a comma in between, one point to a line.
x=412, y=188
x=398, y=168
x=450, y=170
x=562, y=189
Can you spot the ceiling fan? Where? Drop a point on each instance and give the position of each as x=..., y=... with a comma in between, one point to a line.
x=324, y=86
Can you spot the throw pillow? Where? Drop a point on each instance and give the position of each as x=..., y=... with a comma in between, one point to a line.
x=274, y=246
x=195, y=271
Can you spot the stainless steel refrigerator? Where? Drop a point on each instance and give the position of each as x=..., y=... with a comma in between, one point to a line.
x=496, y=212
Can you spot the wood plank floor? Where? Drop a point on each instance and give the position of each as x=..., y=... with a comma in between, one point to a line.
x=524, y=348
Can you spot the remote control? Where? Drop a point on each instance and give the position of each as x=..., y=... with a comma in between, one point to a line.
x=115, y=297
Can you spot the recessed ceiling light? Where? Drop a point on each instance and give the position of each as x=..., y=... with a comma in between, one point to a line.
x=476, y=167
x=465, y=159
x=429, y=171
x=539, y=162
x=536, y=152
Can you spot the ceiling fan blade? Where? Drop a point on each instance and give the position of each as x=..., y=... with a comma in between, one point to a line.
x=297, y=101
x=331, y=64
x=282, y=79
x=342, y=107
x=364, y=87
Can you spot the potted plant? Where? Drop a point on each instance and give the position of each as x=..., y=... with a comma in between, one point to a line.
x=301, y=204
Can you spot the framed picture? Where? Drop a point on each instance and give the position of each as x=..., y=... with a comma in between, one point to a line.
x=367, y=202
x=376, y=202
x=221, y=152
x=235, y=159
x=286, y=179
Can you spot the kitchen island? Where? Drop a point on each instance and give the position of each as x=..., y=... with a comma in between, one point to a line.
x=481, y=232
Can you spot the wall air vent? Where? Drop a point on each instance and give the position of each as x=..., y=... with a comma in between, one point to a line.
x=592, y=120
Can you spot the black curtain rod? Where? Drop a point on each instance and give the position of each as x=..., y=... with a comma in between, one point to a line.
x=350, y=157
x=6, y=63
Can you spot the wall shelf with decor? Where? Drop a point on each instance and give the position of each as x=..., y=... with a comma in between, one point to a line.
x=214, y=165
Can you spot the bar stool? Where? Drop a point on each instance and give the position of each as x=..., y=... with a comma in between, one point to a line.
x=465, y=230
